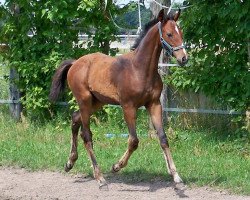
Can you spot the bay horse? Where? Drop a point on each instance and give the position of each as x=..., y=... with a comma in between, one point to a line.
x=130, y=80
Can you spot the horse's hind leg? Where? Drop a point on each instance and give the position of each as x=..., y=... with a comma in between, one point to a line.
x=86, y=109
x=130, y=118
x=75, y=125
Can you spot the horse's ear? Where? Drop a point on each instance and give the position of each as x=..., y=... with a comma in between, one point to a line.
x=177, y=15
x=161, y=15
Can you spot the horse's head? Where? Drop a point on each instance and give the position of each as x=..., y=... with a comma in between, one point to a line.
x=171, y=37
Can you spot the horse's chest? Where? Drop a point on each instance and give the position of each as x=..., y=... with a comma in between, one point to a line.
x=141, y=94
x=150, y=93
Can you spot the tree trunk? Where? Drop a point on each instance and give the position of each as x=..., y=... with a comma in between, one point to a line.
x=105, y=44
x=155, y=9
x=248, y=47
x=15, y=107
x=105, y=47
x=248, y=109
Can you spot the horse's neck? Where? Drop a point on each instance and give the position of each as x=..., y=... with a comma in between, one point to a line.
x=148, y=53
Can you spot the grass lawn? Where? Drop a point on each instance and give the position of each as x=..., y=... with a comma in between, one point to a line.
x=202, y=158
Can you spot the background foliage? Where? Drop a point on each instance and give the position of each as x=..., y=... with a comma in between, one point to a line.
x=41, y=34
x=130, y=19
x=219, y=31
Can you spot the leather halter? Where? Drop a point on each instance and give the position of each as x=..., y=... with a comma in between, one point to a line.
x=169, y=49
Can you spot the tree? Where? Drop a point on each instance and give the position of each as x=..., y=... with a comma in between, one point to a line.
x=155, y=9
x=129, y=19
x=219, y=33
x=42, y=33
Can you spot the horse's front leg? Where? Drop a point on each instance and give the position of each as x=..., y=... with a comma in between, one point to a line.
x=155, y=111
x=130, y=118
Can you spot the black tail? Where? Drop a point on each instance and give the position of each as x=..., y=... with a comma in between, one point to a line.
x=58, y=82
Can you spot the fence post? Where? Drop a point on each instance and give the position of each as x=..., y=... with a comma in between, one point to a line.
x=15, y=106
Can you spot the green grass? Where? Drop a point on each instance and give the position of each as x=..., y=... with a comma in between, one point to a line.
x=202, y=158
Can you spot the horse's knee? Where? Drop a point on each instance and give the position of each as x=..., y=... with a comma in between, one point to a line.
x=83, y=136
x=163, y=141
x=133, y=143
x=76, y=121
x=74, y=156
x=86, y=136
x=76, y=117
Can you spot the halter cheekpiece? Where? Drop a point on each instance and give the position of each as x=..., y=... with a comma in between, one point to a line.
x=169, y=49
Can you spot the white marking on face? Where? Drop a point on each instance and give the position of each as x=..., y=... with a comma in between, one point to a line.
x=177, y=30
x=184, y=50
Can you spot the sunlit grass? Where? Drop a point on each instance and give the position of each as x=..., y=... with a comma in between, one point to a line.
x=202, y=158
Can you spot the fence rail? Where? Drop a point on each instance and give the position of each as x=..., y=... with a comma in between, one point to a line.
x=2, y=101
x=182, y=110
x=204, y=111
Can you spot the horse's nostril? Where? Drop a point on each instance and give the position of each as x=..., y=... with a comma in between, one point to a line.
x=184, y=59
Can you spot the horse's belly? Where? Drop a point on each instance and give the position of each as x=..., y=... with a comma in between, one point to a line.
x=106, y=98
x=105, y=92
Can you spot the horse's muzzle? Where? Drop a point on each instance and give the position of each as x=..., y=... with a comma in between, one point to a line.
x=183, y=61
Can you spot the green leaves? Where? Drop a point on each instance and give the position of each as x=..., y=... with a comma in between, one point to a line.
x=218, y=69
x=41, y=34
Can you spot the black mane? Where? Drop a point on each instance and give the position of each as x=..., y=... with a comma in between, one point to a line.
x=148, y=26
x=144, y=31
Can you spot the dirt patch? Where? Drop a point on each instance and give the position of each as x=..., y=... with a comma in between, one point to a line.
x=21, y=184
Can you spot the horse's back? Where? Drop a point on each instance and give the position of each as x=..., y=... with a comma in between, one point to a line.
x=93, y=73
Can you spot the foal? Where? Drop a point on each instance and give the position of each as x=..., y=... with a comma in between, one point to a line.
x=130, y=80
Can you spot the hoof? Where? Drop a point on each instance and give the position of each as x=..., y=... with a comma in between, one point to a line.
x=115, y=168
x=68, y=167
x=177, y=179
x=103, y=186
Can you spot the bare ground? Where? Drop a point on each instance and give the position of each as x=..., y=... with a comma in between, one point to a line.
x=21, y=184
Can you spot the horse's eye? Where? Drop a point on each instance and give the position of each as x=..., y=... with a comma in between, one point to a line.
x=169, y=35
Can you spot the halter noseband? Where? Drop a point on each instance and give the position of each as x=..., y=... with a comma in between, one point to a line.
x=169, y=49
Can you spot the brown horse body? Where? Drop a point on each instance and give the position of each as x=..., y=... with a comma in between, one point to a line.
x=130, y=80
